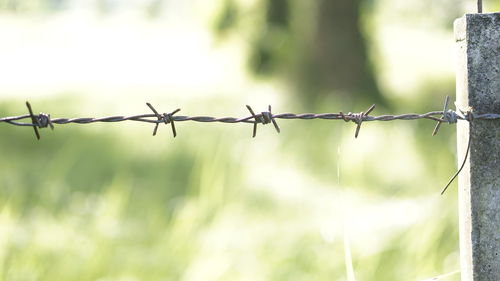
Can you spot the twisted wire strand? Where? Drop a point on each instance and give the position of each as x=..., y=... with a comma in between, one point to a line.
x=250, y=119
x=44, y=120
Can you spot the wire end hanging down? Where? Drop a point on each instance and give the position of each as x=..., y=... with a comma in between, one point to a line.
x=469, y=116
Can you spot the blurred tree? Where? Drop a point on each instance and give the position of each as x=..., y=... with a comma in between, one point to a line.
x=316, y=45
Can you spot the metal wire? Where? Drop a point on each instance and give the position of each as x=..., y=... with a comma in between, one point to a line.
x=44, y=120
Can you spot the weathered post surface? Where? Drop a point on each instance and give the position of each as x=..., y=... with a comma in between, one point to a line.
x=478, y=86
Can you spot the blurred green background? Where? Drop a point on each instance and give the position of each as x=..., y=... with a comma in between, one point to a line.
x=110, y=202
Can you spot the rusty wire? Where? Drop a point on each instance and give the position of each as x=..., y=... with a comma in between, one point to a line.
x=44, y=120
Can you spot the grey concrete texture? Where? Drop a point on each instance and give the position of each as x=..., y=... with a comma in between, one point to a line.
x=478, y=87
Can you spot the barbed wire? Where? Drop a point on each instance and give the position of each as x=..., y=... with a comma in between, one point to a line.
x=43, y=120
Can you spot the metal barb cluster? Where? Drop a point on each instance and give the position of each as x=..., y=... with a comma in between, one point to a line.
x=40, y=121
x=44, y=120
x=166, y=118
x=450, y=117
x=357, y=118
x=264, y=118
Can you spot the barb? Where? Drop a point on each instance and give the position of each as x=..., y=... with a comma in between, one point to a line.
x=33, y=119
x=445, y=108
x=42, y=121
x=358, y=118
x=264, y=118
x=166, y=118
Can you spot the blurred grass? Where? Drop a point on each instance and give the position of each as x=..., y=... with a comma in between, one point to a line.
x=110, y=202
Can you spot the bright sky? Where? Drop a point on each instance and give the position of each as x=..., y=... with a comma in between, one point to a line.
x=121, y=54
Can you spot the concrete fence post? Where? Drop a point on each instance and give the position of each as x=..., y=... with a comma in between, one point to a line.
x=478, y=86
